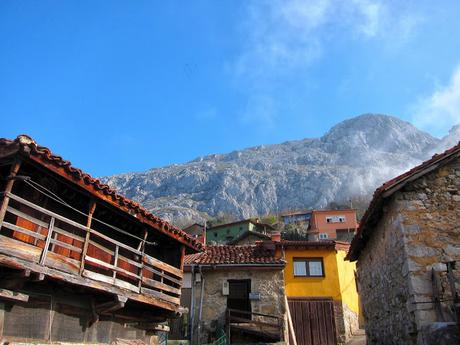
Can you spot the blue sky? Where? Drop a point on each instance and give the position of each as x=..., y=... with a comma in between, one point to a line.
x=118, y=86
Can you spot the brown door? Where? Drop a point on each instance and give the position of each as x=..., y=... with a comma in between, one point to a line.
x=238, y=297
x=313, y=320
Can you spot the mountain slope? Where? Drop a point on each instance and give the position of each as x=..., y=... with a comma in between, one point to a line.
x=352, y=158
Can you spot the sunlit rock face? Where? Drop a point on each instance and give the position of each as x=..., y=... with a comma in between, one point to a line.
x=353, y=158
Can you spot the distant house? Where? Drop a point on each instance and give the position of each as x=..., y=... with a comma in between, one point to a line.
x=408, y=253
x=224, y=233
x=249, y=237
x=338, y=225
x=296, y=217
x=196, y=231
x=233, y=288
x=321, y=290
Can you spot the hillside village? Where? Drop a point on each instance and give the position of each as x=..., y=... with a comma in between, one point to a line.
x=80, y=263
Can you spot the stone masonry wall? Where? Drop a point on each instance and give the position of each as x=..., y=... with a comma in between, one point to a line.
x=269, y=283
x=431, y=229
x=419, y=230
x=382, y=279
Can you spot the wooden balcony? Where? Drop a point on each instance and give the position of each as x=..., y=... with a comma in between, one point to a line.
x=36, y=239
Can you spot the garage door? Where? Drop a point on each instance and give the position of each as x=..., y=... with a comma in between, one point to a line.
x=313, y=321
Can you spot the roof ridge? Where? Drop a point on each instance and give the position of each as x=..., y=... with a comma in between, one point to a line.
x=30, y=147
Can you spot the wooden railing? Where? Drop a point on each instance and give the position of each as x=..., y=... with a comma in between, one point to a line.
x=50, y=239
x=265, y=326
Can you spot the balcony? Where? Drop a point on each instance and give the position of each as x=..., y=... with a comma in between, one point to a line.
x=34, y=238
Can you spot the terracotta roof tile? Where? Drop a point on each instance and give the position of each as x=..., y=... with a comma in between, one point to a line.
x=386, y=190
x=29, y=148
x=231, y=255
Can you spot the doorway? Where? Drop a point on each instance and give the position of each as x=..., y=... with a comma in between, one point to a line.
x=238, y=297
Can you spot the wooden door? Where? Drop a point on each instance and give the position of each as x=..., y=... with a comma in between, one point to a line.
x=313, y=320
x=238, y=297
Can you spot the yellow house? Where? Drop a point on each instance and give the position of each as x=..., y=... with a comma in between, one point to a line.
x=321, y=290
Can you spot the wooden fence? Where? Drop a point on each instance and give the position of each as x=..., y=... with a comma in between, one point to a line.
x=50, y=239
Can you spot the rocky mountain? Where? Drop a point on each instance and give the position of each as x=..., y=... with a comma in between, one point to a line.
x=352, y=159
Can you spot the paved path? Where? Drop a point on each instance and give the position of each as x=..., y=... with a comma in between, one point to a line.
x=358, y=339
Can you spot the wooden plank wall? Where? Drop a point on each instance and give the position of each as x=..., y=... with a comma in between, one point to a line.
x=314, y=322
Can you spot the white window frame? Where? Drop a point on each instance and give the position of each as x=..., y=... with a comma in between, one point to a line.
x=306, y=272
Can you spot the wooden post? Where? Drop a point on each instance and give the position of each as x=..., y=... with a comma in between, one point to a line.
x=115, y=264
x=9, y=186
x=2, y=318
x=290, y=324
x=47, y=242
x=142, y=249
x=182, y=257
x=455, y=296
x=92, y=208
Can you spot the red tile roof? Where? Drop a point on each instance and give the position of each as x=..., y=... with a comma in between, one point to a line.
x=235, y=255
x=374, y=210
x=323, y=244
x=28, y=148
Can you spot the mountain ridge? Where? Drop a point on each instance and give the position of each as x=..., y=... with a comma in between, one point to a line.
x=351, y=159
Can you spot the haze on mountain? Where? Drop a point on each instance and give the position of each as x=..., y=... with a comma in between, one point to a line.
x=350, y=160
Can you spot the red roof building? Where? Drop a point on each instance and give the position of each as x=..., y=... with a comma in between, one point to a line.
x=407, y=251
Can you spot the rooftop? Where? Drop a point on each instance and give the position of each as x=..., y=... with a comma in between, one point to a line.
x=235, y=255
x=374, y=210
x=28, y=148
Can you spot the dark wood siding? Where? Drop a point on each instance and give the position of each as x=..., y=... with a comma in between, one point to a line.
x=313, y=321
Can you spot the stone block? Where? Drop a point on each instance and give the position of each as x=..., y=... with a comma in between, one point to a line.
x=439, y=267
x=420, y=285
x=421, y=250
x=439, y=333
x=411, y=229
x=453, y=251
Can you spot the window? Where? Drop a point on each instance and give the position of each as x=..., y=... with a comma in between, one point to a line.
x=336, y=219
x=308, y=267
x=323, y=236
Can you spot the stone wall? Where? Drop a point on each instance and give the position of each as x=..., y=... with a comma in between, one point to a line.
x=382, y=278
x=346, y=322
x=269, y=283
x=431, y=229
x=419, y=230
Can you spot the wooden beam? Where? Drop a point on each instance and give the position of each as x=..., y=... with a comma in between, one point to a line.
x=92, y=208
x=149, y=326
x=13, y=295
x=142, y=249
x=111, y=306
x=37, y=277
x=9, y=186
x=2, y=318
x=48, y=241
x=15, y=280
x=18, y=263
x=182, y=257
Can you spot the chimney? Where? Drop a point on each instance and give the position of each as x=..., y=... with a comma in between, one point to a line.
x=275, y=236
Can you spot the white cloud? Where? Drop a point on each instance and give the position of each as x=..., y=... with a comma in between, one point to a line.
x=441, y=110
x=282, y=39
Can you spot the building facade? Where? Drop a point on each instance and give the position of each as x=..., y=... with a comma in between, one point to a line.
x=196, y=231
x=318, y=278
x=338, y=225
x=78, y=262
x=225, y=233
x=407, y=251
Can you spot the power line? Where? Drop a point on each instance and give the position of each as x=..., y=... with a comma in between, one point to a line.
x=45, y=191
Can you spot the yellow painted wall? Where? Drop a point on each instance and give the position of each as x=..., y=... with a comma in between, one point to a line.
x=327, y=286
x=338, y=282
x=347, y=281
